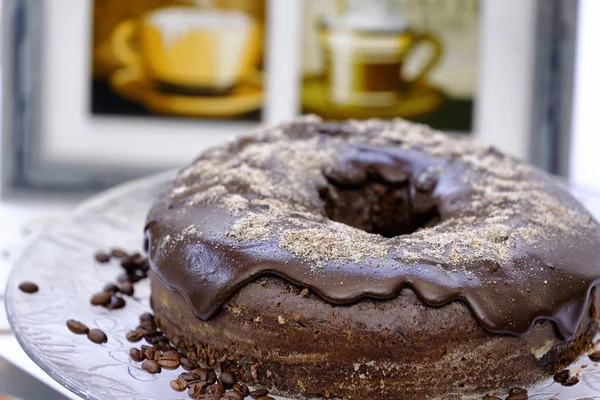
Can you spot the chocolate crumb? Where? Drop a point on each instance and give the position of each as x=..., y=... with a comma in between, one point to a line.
x=77, y=327
x=28, y=287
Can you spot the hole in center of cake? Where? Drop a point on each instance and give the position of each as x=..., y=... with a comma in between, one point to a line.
x=380, y=195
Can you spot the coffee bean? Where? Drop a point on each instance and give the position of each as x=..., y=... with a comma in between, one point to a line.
x=101, y=299
x=172, y=354
x=518, y=396
x=133, y=278
x=146, y=317
x=136, y=354
x=202, y=373
x=116, y=302
x=491, y=398
x=228, y=378
x=269, y=398
x=178, y=385
x=215, y=391
x=153, y=336
x=562, y=376
x=157, y=355
x=126, y=288
x=595, y=356
x=149, y=352
x=168, y=363
x=211, y=377
x=187, y=364
x=129, y=264
x=255, y=394
x=189, y=376
x=145, y=265
x=102, y=257
x=233, y=396
x=135, y=335
x=162, y=346
x=77, y=327
x=197, y=389
x=572, y=381
x=118, y=253
x=149, y=325
x=28, y=287
x=517, y=390
x=97, y=336
x=151, y=366
x=145, y=347
x=111, y=288
x=241, y=388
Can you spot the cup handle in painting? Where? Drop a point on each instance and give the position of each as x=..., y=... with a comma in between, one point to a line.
x=121, y=43
x=436, y=54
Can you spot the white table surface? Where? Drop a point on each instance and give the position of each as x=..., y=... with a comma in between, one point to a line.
x=20, y=220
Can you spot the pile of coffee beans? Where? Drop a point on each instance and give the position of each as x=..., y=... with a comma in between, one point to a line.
x=135, y=268
x=200, y=383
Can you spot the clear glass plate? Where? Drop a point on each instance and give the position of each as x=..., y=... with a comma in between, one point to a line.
x=60, y=261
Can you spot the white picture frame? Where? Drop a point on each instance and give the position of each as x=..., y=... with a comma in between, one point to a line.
x=51, y=140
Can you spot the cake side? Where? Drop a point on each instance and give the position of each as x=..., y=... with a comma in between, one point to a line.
x=273, y=334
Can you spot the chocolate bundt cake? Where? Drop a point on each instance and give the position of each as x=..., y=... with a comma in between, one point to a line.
x=374, y=259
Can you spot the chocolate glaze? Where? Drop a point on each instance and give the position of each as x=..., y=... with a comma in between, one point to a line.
x=509, y=242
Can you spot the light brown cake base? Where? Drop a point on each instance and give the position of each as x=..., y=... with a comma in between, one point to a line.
x=294, y=344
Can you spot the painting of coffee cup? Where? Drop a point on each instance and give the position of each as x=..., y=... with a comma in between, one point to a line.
x=186, y=58
x=390, y=58
x=364, y=64
x=107, y=14
x=190, y=49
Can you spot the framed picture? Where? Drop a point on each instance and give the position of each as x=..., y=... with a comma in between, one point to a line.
x=101, y=91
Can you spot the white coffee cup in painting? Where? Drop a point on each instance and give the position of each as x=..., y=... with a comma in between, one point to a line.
x=365, y=49
x=199, y=48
